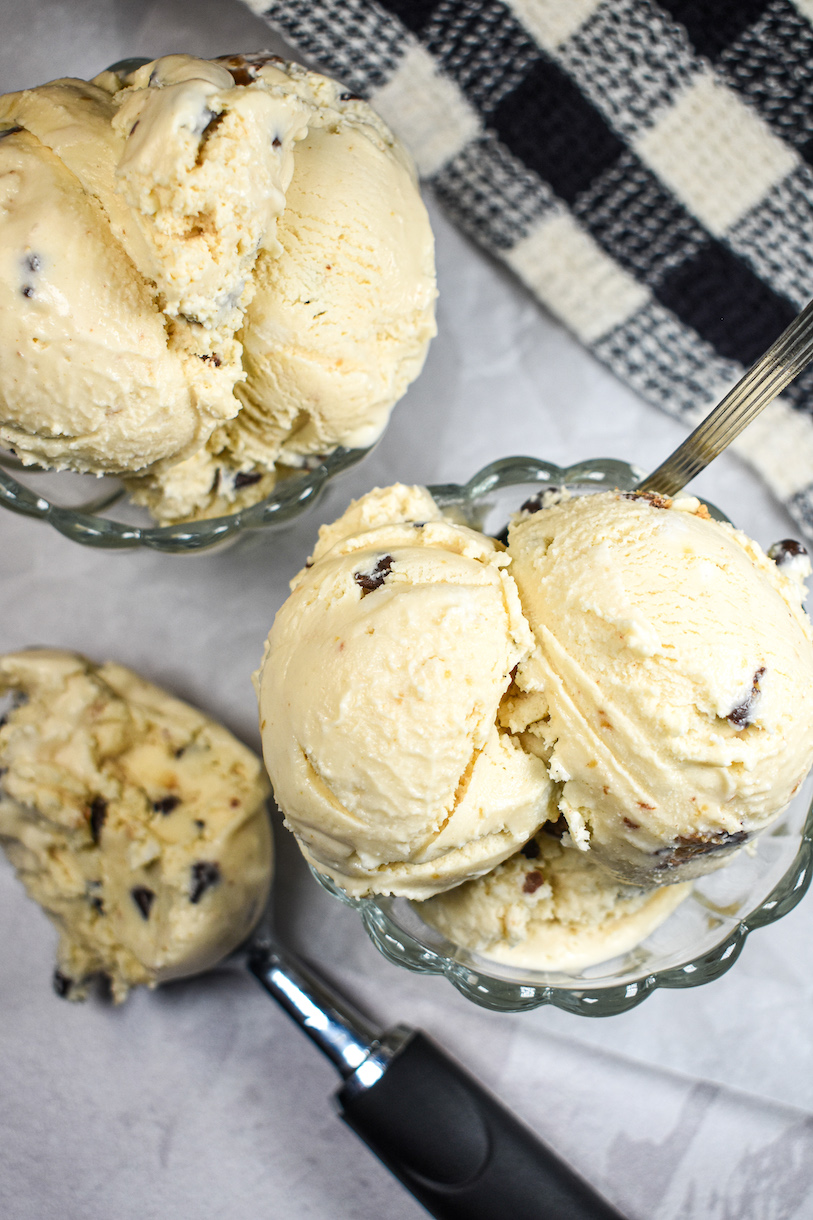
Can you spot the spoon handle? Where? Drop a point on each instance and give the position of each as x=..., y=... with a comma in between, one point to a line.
x=451, y=1143
x=767, y=378
x=459, y=1151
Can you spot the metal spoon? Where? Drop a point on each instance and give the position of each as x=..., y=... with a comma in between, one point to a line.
x=449, y=1141
x=767, y=378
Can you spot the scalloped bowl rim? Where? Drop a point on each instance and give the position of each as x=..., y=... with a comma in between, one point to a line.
x=588, y=997
x=289, y=499
x=504, y=995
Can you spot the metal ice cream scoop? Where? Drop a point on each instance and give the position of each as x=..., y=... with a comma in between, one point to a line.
x=449, y=1141
x=767, y=378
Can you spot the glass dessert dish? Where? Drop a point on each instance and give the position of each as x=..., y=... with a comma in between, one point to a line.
x=701, y=939
x=96, y=512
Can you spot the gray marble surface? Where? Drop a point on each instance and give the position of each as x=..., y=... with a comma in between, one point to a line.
x=202, y=1100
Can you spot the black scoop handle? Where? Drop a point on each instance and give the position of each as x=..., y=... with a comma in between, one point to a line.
x=458, y=1151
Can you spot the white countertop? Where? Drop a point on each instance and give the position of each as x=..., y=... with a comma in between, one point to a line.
x=202, y=1099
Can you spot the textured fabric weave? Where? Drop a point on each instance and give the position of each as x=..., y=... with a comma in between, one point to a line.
x=645, y=168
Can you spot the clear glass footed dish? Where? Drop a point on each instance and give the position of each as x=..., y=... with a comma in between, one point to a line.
x=700, y=940
x=97, y=512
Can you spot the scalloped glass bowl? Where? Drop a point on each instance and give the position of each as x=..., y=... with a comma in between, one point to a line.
x=700, y=941
x=96, y=512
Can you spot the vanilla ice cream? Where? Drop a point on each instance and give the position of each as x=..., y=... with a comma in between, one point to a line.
x=379, y=693
x=550, y=907
x=209, y=270
x=670, y=691
x=538, y=744
x=136, y=822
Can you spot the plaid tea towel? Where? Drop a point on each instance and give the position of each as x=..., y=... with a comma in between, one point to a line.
x=645, y=168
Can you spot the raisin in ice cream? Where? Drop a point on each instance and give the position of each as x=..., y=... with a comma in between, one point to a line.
x=136, y=822
x=550, y=907
x=379, y=693
x=209, y=270
x=670, y=689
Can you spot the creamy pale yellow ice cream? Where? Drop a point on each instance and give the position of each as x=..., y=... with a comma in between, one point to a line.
x=550, y=907
x=136, y=822
x=208, y=270
x=379, y=693
x=628, y=669
x=670, y=690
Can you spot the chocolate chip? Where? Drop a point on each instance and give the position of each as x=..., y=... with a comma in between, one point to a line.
x=181, y=749
x=740, y=716
x=205, y=874
x=9, y=131
x=244, y=479
x=211, y=358
x=368, y=582
x=558, y=829
x=104, y=986
x=534, y=504
x=276, y=142
x=27, y=290
x=199, y=822
x=785, y=551
x=143, y=898
x=350, y=97
x=531, y=849
x=651, y=497
x=208, y=131
x=62, y=984
x=33, y=262
x=98, y=816
x=686, y=847
x=166, y=804
x=97, y=903
x=632, y=825
x=532, y=882
x=243, y=68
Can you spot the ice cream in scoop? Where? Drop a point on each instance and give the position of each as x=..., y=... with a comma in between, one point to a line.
x=135, y=821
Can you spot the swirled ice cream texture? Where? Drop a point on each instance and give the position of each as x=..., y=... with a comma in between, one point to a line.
x=670, y=690
x=379, y=692
x=168, y=264
x=628, y=668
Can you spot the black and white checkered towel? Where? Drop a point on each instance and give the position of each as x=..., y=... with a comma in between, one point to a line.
x=645, y=168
